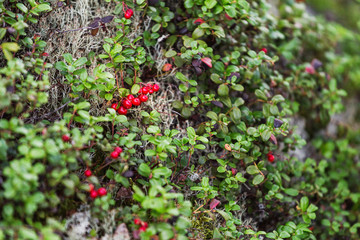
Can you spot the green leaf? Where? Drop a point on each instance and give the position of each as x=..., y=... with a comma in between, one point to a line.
x=181, y=77
x=82, y=105
x=191, y=132
x=144, y=170
x=210, y=3
x=311, y=208
x=68, y=58
x=252, y=170
x=260, y=94
x=265, y=135
x=37, y=153
x=198, y=33
x=153, y=129
x=277, y=98
x=258, y=179
x=10, y=46
x=81, y=61
x=304, y=203
x=22, y=7
x=150, y=153
x=170, y=53
x=291, y=191
x=156, y=27
x=223, y=90
x=135, y=89
x=161, y=171
x=108, y=96
x=235, y=115
x=237, y=87
x=42, y=7
x=285, y=234
x=212, y=115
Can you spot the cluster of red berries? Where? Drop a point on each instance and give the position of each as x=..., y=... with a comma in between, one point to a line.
x=143, y=225
x=130, y=100
x=97, y=193
x=270, y=157
x=94, y=193
x=128, y=13
x=115, y=154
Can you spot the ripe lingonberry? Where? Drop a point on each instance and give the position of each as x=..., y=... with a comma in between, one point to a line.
x=145, y=90
x=114, y=106
x=122, y=111
x=144, y=224
x=91, y=187
x=264, y=50
x=271, y=157
x=93, y=194
x=126, y=104
x=143, y=98
x=136, y=101
x=88, y=173
x=130, y=97
x=128, y=13
x=114, y=154
x=118, y=149
x=102, y=191
x=137, y=221
x=156, y=87
x=151, y=91
x=65, y=138
x=142, y=229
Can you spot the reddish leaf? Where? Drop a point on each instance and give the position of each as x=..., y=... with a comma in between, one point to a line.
x=273, y=139
x=214, y=203
x=199, y=21
x=207, y=61
x=310, y=69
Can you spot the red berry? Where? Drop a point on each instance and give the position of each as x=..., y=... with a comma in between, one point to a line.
x=91, y=187
x=114, y=106
x=130, y=97
x=136, y=101
x=151, y=91
x=156, y=87
x=118, y=149
x=65, y=138
x=142, y=229
x=122, y=111
x=144, y=224
x=271, y=157
x=102, y=191
x=143, y=98
x=126, y=104
x=114, y=154
x=145, y=90
x=137, y=221
x=93, y=194
x=88, y=173
x=264, y=50
x=128, y=13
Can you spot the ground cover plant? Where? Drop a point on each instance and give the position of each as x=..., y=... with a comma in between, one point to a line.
x=195, y=119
